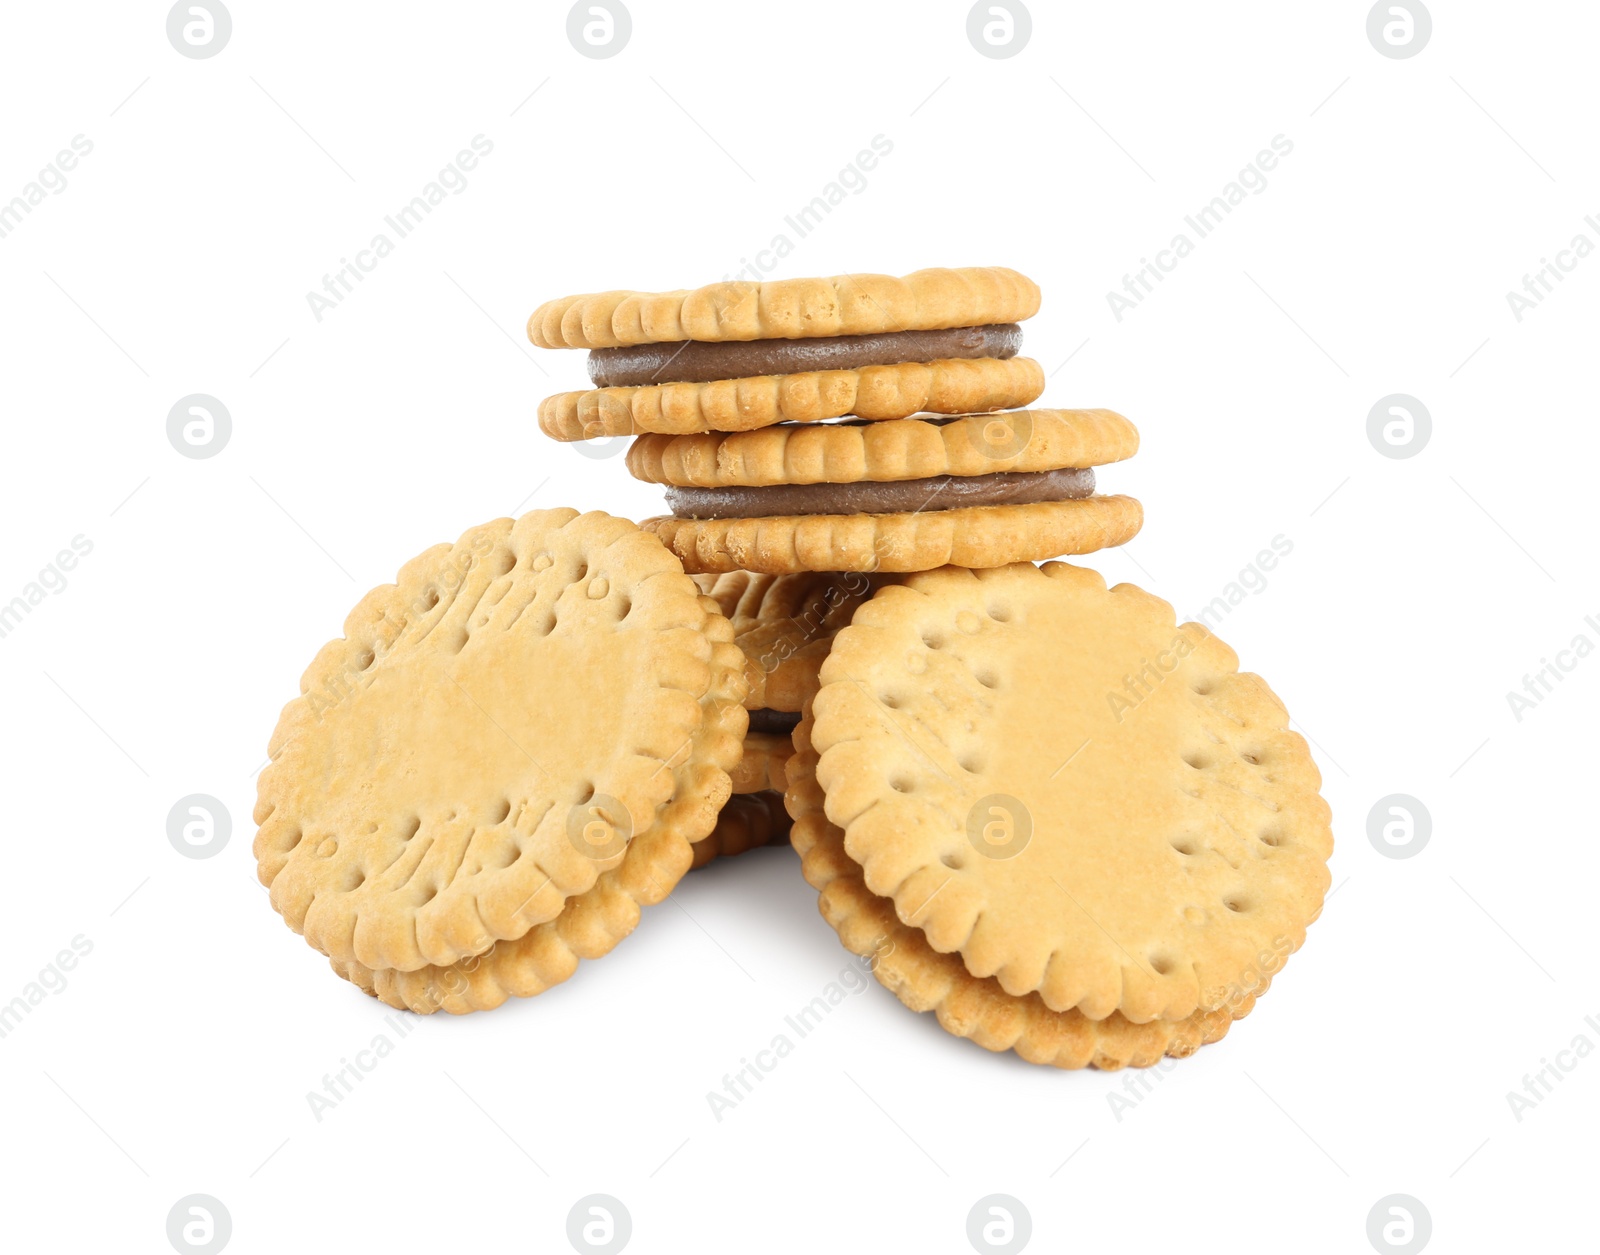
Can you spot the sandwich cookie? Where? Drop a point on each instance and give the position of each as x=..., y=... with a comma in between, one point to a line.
x=784, y=624
x=1055, y=817
x=510, y=750
x=926, y=980
x=482, y=982
x=765, y=753
x=976, y=490
x=747, y=822
x=738, y=356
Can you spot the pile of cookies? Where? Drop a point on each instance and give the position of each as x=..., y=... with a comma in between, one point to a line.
x=729, y=390
x=1039, y=807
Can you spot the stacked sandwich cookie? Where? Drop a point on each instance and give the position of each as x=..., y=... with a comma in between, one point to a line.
x=977, y=490
x=784, y=625
x=729, y=388
x=737, y=356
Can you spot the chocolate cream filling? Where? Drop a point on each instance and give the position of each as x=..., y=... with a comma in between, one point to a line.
x=774, y=722
x=940, y=492
x=701, y=361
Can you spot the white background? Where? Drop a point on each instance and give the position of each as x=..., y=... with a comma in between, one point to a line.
x=1418, y=592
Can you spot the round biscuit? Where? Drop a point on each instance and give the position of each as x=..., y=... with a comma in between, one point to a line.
x=909, y=448
x=1081, y=798
x=788, y=309
x=970, y=536
x=431, y=793
x=898, y=390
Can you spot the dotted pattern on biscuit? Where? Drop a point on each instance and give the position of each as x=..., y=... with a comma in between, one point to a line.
x=968, y=1006
x=1200, y=798
x=592, y=923
x=368, y=880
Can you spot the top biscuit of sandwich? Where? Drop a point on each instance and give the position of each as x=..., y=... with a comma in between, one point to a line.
x=1084, y=799
x=540, y=718
x=788, y=309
